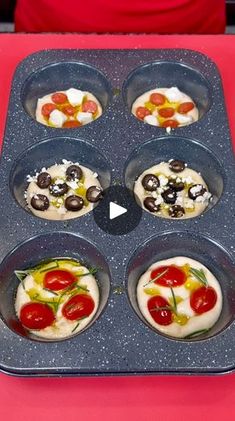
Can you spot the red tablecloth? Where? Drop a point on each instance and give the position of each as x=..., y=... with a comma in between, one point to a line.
x=132, y=398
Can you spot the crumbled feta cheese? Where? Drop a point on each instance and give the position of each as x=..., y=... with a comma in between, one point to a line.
x=160, y=190
x=168, y=130
x=75, y=96
x=84, y=118
x=183, y=119
x=65, y=162
x=151, y=119
x=159, y=200
x=95, y=174
x=187, y=180
x=163, y=180
x=188, y=203
x=57, y=118
x=154, y=194
x=72, y=184
x=179, y=200
x=29, y=178
x=173, y=94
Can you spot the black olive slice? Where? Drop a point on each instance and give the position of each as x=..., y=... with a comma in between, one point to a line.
x=150, y=182
x=195, y=191
x=94, y=194
x=176, y=185
x=58, y=189
x=40, y=202
x=176, y=165
x=176, y=211
x=149, y=203
x=74, y=172
x=74, y=203
x=169, y=196
x=43, y=180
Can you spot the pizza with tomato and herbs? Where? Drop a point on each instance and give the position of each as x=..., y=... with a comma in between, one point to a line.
x=68, y=109
x=179, y=297
x=56, y=299
x=165, y=107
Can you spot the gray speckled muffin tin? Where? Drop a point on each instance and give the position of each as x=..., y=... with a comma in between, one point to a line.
x=119, y=148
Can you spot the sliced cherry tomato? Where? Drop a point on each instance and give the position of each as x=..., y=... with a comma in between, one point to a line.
x=78, y=306
x=59, y=98
x=70, y=124
x=58, y=279
x=166, y=112
x=36, y=316
x=170, y=123
x=158, y=308
x=185, y=107
x=172, y=276
x=47, y=109
x=69, y=109
x=89, y=107
x=142, y=112
x=203, y=299
x=157, y=99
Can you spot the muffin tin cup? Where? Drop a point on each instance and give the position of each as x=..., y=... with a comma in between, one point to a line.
x=40, y=248
x=119, y=342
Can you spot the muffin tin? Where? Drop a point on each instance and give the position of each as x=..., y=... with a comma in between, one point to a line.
x=118, y=147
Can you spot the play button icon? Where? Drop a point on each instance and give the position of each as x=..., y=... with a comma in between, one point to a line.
x=118, y=212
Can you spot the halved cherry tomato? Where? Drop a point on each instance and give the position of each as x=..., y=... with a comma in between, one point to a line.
x=59, y=98
x=58, y=279
x=203, y=299
x=79, y=306
x=47, y=109
x=142, y=112
x=70, y=124
x=185, y=107
x=170, y=123
x=158, y=308
x=36, y=316
x=69, y=110
x=89, y=107
x=157, y=99
x=172, y=276
x=166, y=112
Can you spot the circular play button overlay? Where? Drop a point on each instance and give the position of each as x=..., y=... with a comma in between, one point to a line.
x=118, y=212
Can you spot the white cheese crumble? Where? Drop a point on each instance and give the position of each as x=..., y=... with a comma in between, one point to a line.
x=57, y=118
x=75, y=96
x=173, y=94
x=151, y=119
x=84, y=118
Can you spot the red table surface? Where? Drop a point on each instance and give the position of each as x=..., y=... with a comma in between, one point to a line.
x=114, y=398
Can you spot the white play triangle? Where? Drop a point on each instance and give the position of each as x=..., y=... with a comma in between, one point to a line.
x=116, y=210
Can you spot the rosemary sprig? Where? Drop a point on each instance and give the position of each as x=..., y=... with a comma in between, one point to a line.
x=52, y=303
x=156, y=277
x=56, y=265
x=21, y=275
x=174, y=301
x=50, y=290
x=162, y=308
x=78, y=323
x=196, y=333
x=199, y=274
x=92, y=271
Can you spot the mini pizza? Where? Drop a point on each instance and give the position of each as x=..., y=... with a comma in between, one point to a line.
x=179, y=297
x=68, y=109
x=56, y=299
x=172, y=190
x=165, y=107
x=63, y=191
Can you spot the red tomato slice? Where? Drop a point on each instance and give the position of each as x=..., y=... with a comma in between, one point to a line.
x=89, y=107
x=69, y=110
x=70, y=124
x=47, y=109
x=59, y=98
x=158, y=311
x=170, y=123
x=166, y=112
x=78, y=306
x=142, y=112
x=203, y=299
x=172, y=276
x=58, y=279
x=157, y=99
x=185, y=107
x=36, y=316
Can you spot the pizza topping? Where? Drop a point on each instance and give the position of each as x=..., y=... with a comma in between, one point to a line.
x=185, y=107
x=47, y=109
x=58, y=189
x=69, y=110
x=150, y=182
x=173, y=94
x=43, y=180
x=74, y=172
x=94, y=194
x=170, y=123
x=157, y=98
x=75, y=96
x=203, y=299
x=57, y=118
x=35, y=316
x=149, y=203
x=168, y=276
x=160, y=310
x=71, y=124
x=74, y=203
x=59, y=279
x=40, y=202
x=195, y=191
x=176, y=211
x=59, y=98
x=79, y=306
x=151, y=119
x=175, y=185
x=169, y=196
x=84, y=118
x=176, y=165
x=166, y=112
x=89, y=107
x=142, y=112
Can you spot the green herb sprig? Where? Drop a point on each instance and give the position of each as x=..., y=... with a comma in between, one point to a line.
x=196, y=333
x=156, y=277
x=199, y=274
